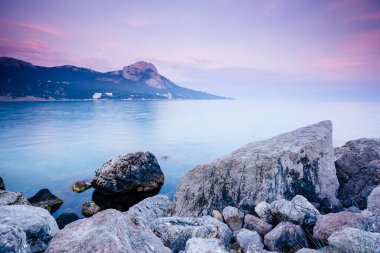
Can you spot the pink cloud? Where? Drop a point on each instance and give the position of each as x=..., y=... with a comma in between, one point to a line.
x=367, y=16
x=6, y=24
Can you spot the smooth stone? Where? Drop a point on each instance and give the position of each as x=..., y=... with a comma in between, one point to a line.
x=90, y=208
x=298, y=162
x=37, y=223
x=202, y=245
x=107, y=231
x=2, y=185
x=217, y=215
x=263, y=211
x=253, y=223
x=233, y=217
x=249, y=241
x=13, y=240
x=45, y=199
x=286, y=237
x=12, y=198
x=66, y=218
x=133, y=172
x=81, y=186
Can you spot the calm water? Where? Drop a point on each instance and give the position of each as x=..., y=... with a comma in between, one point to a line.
x=53, y=144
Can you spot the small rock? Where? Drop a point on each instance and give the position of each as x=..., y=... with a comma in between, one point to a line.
x=13, y=239
x=307, y=250
x=217, y=215
x=66, y=218
x=333, y=222
x=286, y=237
x=37, y=223
x=80, y=186
x=263, y=211
x=12, y=198
x=253, y=223
x=202, y=245
x=45, y=199
x=2, y=185
x=353, y=240
x=233, y=217
x=249, y=240
x=90, y=208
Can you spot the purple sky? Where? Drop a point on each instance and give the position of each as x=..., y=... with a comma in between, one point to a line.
x=237, y=47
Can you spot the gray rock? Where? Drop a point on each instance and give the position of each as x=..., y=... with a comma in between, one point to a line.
x=299, y=162
x=81, y=186
x=12, y=198
x=249, y=240
x=90, y=208
x=353, y=240
x=357, y=175
x=373, y=209
x=286, y=237
x=133, y=172
x=66, y=218
x=175, y=231
x=13, y=240
x=333, y=222
x=352, y=209
x=217, y=215
x=253, y=223
x=151, y=208
x=37, y=223
x=2, y=185
x=263, y=211
x=202, y=245
x=307, y=250
x=233, y=217
x=107, y=231
x=45, y=199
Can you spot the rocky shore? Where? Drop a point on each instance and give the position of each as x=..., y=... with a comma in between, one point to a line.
x=291, y=193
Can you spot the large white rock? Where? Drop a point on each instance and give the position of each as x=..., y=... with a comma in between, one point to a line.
x=299, y=162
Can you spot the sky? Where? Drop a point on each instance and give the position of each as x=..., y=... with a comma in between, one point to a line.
x=326, y=49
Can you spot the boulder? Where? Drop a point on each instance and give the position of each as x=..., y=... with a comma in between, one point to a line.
x=107, y=231
x=286, y=237
x=299, y=162
x=133, y=172
x=81, y=186
x=253, y=223
x=12, y=198
x=90, y=208
x=37, y=223
x=2, y=185
x=372, y=213
x=358, y=172
x=353, y=240
x=66, y=218
x=45, y=199
x=13, y=239
x=333, y=222
x=175, y=231
x=217, y=215
x=202, y=245
x=249, y=241
x=233, y=217
x=263, y=211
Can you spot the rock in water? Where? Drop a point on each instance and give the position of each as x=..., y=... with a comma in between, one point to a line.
x=2, y=186
x=133, y=172
x=45, y=199
x=37, y=223
x=66, y=218
x=13, y=239
x=90, y=208
x=80, y=186
x=357, y=175
x=12, y=198
x=299, y=162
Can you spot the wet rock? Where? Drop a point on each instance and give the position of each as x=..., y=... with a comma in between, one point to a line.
x=249, y=241
x=353, y=240
x=286, y=237
x=2, y=185
x=107, y=231
x=233, y=217
x=45, y=199
x=217, y=215
x=299, y=162
x=175, y=231
x=253, y=223
x=263, y=211
x=202, y=245
x=81, y=186
x=333, y=222
x=66, y=218
x=90, y=208
x=372, y=213
x=37, y=223
x=12, y=198
x=357, y=170
x=133, y=172
x=13, y=239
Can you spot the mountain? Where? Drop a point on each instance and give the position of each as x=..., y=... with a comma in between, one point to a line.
x=20, y=80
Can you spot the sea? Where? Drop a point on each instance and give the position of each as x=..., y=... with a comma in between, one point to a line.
x=54, y=144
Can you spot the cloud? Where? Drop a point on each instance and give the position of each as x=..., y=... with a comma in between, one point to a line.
x=8, y=25
x=367, y=17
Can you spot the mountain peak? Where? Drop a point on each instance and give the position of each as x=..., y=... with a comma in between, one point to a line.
x=143, y=65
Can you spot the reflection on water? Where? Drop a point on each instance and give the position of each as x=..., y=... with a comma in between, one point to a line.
x=54, y=144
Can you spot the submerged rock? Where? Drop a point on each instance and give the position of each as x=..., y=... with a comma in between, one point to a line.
x=107, y=231
x=13, y=240
x=233, y=217
x=253, y=223
x=37, y=223
x=90, y=208
x=299, y=162
x=12, y=198
x=358, y=170
x=66, y=218
x=45, y=199
x=81, y=186
x=138, y=172
x=202, y=245
x=2, y=185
